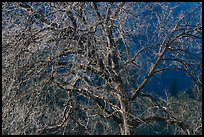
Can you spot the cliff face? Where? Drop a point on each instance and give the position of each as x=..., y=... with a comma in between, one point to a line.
x=157, y=85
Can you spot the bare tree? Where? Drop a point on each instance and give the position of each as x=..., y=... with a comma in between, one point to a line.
x=81, y=67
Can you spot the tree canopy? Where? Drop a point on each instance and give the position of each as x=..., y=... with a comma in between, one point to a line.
x=82, y=67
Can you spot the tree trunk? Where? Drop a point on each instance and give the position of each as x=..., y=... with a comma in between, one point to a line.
x=124, y=127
